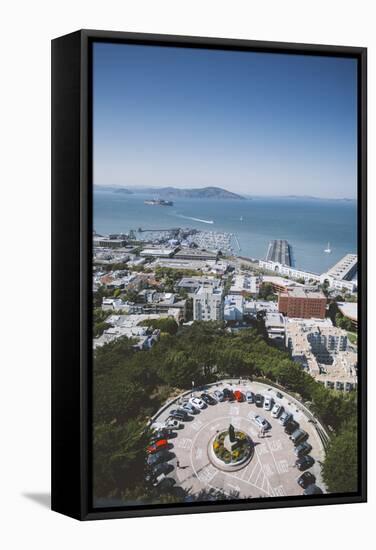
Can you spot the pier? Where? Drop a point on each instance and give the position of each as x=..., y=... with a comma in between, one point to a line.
x=279, y=251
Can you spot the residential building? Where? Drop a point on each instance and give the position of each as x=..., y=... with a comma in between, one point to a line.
x=244, y=284
x=303, y=303
x=208, y=304
x=275, y=327
x=233, y=307
x=323, y=351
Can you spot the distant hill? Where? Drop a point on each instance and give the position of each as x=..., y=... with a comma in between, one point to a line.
x=195, y=193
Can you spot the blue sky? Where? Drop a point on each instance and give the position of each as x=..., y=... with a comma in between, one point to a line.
x=255, y=123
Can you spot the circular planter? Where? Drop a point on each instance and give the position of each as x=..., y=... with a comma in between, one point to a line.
x=233, y=460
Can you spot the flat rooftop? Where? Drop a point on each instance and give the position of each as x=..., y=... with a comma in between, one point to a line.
x=300, y=292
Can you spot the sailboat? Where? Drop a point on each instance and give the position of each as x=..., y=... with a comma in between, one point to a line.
x=328, y=250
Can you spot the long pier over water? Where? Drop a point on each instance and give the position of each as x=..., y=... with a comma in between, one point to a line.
x=279, y=251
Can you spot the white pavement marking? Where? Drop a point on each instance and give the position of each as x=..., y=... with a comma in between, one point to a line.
x=282, y=466
x=262, y=449
x=184, y=443
x=234, y=410
x=278, y=491
x=198, y=454
x=275, y=445
x=207, y=473
x=197, y=425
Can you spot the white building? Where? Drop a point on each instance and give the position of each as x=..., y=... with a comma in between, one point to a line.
x=334, y=277
x=275, y=327
x=233, y=308
x=208, y=304
x=323, y=351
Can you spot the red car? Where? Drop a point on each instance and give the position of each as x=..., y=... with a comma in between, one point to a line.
x=239, y=396
x=157, y=446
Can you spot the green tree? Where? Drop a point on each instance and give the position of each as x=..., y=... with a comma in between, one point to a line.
x=340, y=469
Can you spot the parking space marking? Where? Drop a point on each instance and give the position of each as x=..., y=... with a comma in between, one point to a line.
x=184, y=443
x=198, y=453
x=282, y=466
x=275, y=445
x=207, y=473
x=197, y=425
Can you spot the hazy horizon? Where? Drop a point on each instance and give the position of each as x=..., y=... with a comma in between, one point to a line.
x=255, y=124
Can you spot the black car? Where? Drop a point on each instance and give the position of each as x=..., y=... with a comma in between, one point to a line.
x=312, y=490
x=306, y=479
x=157, y=470
x=291, y=427
x=228, y=394
x=304, y=462
x=157, y=458
x=303, y=449
x=259, y=400
x=179, y=414
x=208, y=399
x=279, y=395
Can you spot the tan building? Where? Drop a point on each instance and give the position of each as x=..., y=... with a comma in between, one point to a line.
x=302, y=303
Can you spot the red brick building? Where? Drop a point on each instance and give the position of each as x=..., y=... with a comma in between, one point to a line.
x=306, y=304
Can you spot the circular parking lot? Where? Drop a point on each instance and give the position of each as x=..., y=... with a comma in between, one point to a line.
x=271, y=471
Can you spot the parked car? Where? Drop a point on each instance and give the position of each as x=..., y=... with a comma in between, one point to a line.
x=268, y=403
x=279, y=395
x=157, y=458
x=291, y=427
x=306, y=479
x=163, y=482
x=189, y=408
x=157, y=446
x=162, y=433
x=250, y=397
x=218, y=394
x=197, y=402
x=304, y=462
x=228, y=394
x=312, y=490
x=285, y=418
x=155, y=471
x=259, y=400
x=173, y=424
x=239, y=396
x=178, y=414
x=298, y=436
x=262, y=422
x=208, y=399
x=303, y=449
x=277, y=410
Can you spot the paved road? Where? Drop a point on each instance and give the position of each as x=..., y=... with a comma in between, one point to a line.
x=271, y=472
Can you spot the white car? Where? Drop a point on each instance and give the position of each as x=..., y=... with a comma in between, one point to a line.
x=218, y=394
x=197, y=402
x=268, y=403
x=261, y=422
x=277, y=410
x=173, y=424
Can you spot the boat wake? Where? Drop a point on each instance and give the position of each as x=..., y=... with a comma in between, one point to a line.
x=194, y=219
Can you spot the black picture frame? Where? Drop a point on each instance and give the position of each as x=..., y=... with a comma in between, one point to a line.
x=71, y=271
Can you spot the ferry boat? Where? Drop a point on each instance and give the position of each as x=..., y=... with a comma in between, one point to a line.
x=158, y=202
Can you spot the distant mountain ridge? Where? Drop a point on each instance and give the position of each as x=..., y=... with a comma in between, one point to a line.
x=175, y=193
x=194, y=193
